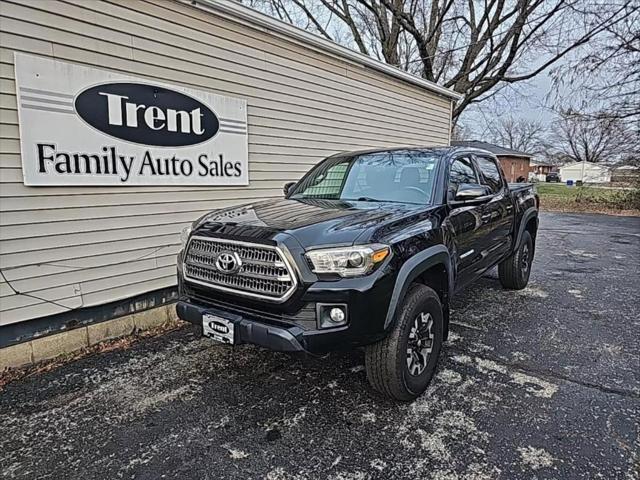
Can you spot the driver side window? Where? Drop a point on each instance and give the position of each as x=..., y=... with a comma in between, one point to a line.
x=490, y=174
x=461, y=171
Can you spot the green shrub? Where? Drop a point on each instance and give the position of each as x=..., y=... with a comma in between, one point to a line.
x=616, y=199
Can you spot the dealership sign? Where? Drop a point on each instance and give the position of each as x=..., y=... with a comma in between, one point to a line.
x=85, y=126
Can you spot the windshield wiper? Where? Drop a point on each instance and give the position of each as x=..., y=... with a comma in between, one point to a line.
x=369, y=199
x=364, y=199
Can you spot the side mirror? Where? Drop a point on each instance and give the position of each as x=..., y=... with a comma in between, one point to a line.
x=469, y=192
x=288, y=187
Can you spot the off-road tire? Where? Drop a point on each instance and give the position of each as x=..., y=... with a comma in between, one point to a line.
x=386, y=361
x=514, y=271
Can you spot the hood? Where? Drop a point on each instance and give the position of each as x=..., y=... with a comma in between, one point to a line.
x=311, y=222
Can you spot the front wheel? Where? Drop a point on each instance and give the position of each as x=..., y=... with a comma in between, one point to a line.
x=514, y=271
x=402, y=365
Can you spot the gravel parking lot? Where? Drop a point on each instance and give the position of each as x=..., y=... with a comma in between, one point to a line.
x=540, y=383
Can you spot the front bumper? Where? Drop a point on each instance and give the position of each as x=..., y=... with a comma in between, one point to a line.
x=248, y=331
x=294, y=326
x=289, y=333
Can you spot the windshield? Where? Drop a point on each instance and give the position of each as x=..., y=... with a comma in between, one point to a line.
x=403, y=176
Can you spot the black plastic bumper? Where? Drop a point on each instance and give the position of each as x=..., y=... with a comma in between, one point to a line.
x=283, y=339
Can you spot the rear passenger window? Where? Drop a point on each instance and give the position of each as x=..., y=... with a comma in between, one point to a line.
x=461, y=171
x=490, y=174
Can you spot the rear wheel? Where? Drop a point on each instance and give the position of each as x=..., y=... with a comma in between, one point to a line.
x=514, y=271
x=402, y=365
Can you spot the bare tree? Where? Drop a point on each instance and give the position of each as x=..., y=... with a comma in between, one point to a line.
x=518, y=134
x=473, y=47
x=588, y=138
x=607, y=74
x=461, y=132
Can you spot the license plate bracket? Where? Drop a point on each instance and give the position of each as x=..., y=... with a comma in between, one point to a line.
x=218, y=328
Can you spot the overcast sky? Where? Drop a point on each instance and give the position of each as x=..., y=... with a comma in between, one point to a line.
x=529, y=100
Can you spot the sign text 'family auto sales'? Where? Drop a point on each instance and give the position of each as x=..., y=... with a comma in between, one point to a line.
x=85, y=126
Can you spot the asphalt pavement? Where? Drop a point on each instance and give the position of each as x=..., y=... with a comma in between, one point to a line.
x=540, y=383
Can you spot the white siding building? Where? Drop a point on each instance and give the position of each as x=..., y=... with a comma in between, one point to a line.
x=585, y=172
x=68, y=253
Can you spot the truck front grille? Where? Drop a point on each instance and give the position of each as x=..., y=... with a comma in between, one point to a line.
x=263, y=271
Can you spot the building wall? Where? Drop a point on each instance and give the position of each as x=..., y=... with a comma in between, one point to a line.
x=540, y=169
x=514, y=167
x=585, y=172
x=71, y=247
x=539, y=172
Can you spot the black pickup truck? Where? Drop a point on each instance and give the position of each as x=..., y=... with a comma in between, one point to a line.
x=366, y=250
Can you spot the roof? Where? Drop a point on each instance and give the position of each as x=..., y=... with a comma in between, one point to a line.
x=495, y=149
x=442, y=151
x=540, y=163
x=436, y=150
x=239, y=12
x=587, y=165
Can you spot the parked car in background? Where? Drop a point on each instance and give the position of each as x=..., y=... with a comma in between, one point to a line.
x=366, y=250
x=553, y=177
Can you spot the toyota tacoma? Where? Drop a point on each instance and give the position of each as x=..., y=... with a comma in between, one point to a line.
x=366, y=250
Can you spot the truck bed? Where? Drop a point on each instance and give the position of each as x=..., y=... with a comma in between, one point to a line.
x=516, y=187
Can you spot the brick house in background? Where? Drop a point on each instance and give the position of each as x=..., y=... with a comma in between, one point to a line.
x=540, y=169
x=514, y=163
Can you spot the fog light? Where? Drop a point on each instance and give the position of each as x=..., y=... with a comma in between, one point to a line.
x=331, y=315
x=337, y=315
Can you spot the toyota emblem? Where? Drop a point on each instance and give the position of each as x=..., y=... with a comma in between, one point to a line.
x=228, y=262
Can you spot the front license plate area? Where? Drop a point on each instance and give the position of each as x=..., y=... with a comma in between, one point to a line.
x=218, y=328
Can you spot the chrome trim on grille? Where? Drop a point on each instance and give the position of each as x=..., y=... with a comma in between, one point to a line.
x=264, y=268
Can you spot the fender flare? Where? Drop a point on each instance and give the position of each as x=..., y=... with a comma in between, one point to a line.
x=412, y=268
x=529, y=213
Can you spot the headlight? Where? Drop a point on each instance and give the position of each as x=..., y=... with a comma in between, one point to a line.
x=184, y=237
x=348, y=261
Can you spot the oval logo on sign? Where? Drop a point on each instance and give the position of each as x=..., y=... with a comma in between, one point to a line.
x=146, y=114
x=218, y=327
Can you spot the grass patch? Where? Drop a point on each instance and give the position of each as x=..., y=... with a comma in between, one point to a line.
x=588, y=198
